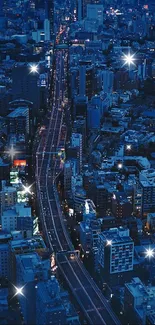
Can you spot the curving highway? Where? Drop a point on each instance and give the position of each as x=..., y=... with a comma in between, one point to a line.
x=48, y=167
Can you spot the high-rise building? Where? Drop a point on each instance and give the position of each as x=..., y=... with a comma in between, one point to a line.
x=79, y=126
x=18, y=121
x=80, y=106
x=67, y=176
x=76, y=142
x=24, y=246
x=30, y=271
x=86, y=76
x=18, y=218
x=95, y=12
x=146, y=189
x=4, y=254
x=29, y=84
x=93, y=117
x=89, y=2
x=79, y=200
x=47, y=29
x=89, y=212
x=115, y=254
x=50, y=16
x=8, y=197
x=49, y=307
x=39, y=4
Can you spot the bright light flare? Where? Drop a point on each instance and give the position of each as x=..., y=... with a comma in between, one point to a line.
x=128, y=59
x=120, y=166
x=109, y=243
x=128, y=146
x=149, y=253
x=12, y=152
x=27, y=189
x=19, y=291
x=34, y=68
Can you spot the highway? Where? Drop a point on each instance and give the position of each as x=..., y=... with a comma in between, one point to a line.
x=48, y=167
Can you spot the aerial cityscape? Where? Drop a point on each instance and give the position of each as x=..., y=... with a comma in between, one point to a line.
x=77, y=162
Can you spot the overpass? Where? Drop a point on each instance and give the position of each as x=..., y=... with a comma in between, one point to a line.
x=93, y=304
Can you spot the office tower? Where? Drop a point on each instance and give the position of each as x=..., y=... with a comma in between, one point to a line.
x=4, y=254
x=79, y=200
x=18, y=121
x=1, y=6
x=24, y=246
x=121, y=207
x=79, y=126
x=80, y=106
x=29, y=272
x=95, y=12
x=76, y=180
x=79, y=9
x=139, y=300
x=86, y=75
x=67, y=176
x=89, y=2
x=49, y=306
x=146, y=189
x=107, y=81
x=89, y=235
x=4, y=170
x=76, y=142
x=89, y=212
x=8, y=197
x=39, y=4
x=18, y=218
x=50, y=16
x=25, y=85
x=93, y=117
x=47, y=29
x=28, y=84
x=85, y=237
x=101, y=200
x=115, y=254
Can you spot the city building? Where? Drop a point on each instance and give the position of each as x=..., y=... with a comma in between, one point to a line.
x=116, y=254
x=147, y=190
x=139, y=299
x=49, y=306
x=89, y=211
x=4, y=254
x=95, y=12
x=50, y=16
x=18, y=217
x=30, y=270
x=24, y=246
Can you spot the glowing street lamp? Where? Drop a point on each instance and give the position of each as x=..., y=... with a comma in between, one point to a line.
x=34, y=68
x=149, y=253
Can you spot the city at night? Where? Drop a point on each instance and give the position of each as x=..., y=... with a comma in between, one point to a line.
x=77, y=162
